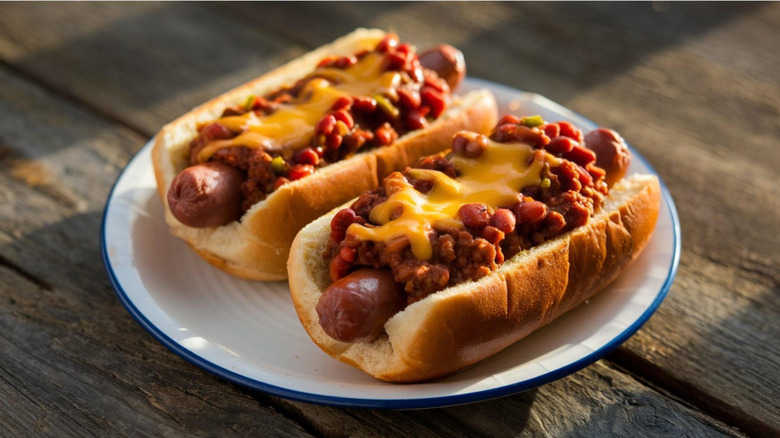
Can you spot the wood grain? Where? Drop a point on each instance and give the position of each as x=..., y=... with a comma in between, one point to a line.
x=693, y=87
x=74, y=363
x=67, y=329
x=142, y=64
x=598, y=401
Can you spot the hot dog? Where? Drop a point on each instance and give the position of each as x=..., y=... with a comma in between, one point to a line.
x=215, y=207
x=484, y=245
x=241, y=174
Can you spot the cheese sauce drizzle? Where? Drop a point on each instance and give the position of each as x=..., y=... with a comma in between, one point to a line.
x=495, y=179
x=292, y=125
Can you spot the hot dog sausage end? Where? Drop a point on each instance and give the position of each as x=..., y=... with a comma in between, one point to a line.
x=447, y=62
x=612, y=154
x=356, y=307
x=207, y=195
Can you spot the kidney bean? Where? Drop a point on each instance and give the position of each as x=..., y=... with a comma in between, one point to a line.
x=385, y=135
x=509, y=118
x=474, y=215
x=389, y=41
x=422, y=185
x=326, y=62
x=340, y=222
x=364, y=104
x=530, y=212
x=207, y=195
x=414, y=119
x=560, y=145
x=216, y=131
x=417, y=72
x=326, y=124
x=335, y=62
x=356, y=307
x=298, y=171
x=338, y=268
x=552, y=130
x=583, y=176
x=345, y=117
x=508, y=133
x=431, y=79
x=409, y=98
x=307, y=156
x=569, y=130
x=580, y=155
x=433, y=99
x=343, y=102
x=333, y=141
x=504, y=220
x=394, y=61
x=469, y=144
x=345, y=61
x=405, y=48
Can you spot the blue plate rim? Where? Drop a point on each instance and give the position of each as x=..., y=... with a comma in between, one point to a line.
x=422, y=403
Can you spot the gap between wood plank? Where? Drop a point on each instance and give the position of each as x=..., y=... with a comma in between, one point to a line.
x=22, y=272
x=686, y=393
x=283, y=409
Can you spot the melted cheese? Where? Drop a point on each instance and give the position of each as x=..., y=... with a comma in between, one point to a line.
x=495, y=179
x=292, y=125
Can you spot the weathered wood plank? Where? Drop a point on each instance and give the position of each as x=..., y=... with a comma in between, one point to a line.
x=144, y=64
x=702, y=107
x=70, y=332
x=704, y=72
x=596, y=402
x=708, y=123
x=74, y=363
x=74, y=367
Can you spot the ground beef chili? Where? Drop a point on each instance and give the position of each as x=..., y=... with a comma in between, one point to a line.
x=352, y=124
x=569, y=193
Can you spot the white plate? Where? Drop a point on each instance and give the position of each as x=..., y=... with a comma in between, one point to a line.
x=248, y=332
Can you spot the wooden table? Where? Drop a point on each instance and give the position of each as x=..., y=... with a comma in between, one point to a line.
x=694, y=87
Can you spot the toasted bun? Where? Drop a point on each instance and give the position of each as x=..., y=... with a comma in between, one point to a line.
x=464, y=324
x=256, y=247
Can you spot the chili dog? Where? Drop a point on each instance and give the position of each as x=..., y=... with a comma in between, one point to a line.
x=458, y=257
x=241, y=174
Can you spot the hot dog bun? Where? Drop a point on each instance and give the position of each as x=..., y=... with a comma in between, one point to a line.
x=464, y=324
x=256, y=246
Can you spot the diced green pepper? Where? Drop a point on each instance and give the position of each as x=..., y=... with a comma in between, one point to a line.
x=250, y=102
x=532, y=121
x=386, y=106
x=278, y=165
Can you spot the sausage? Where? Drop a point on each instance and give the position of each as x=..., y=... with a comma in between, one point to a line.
x=356, y=307
x=447, y=62
x=612, y=154
x=207, y=195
